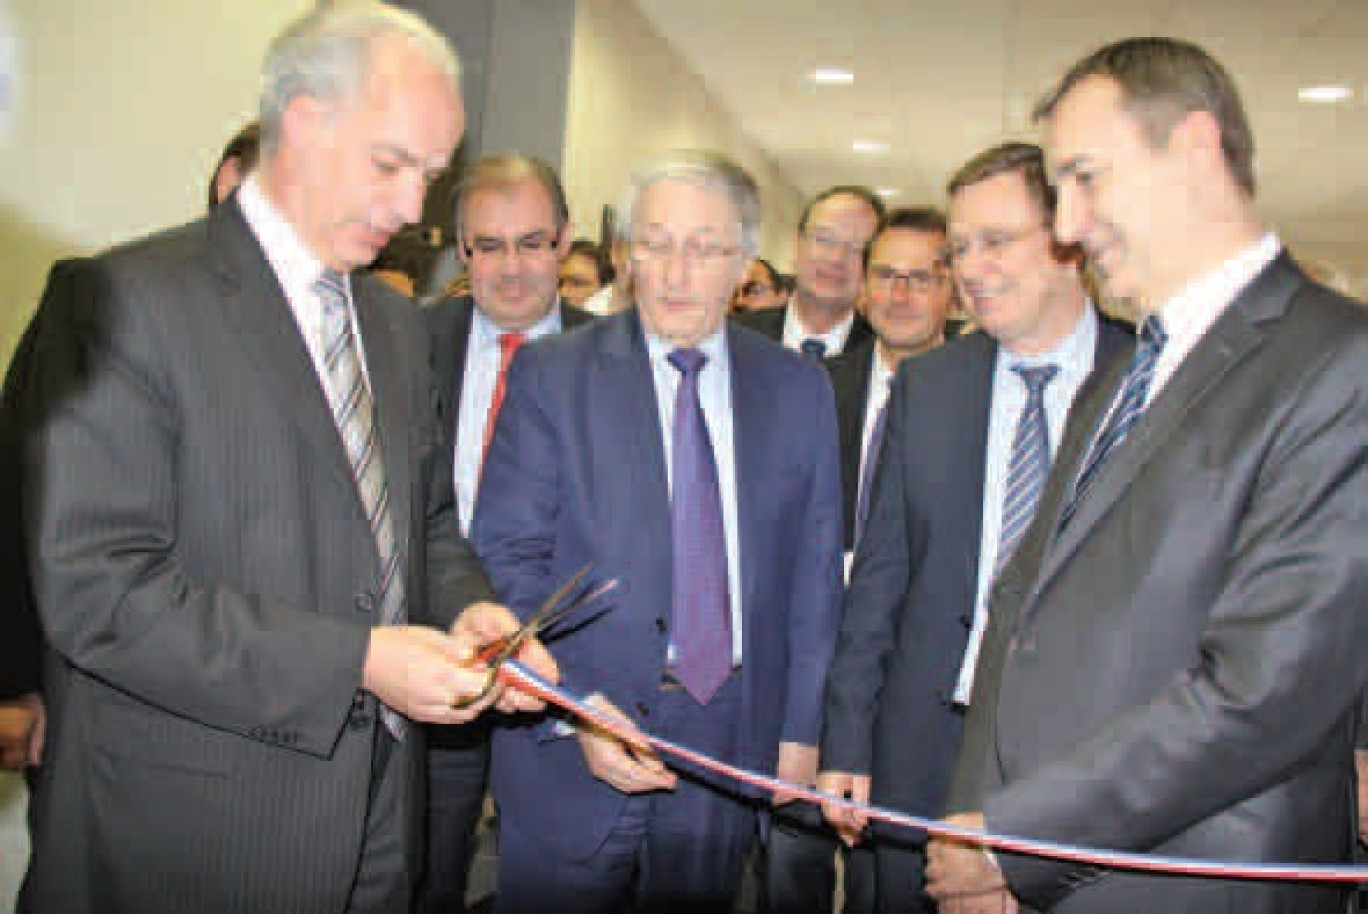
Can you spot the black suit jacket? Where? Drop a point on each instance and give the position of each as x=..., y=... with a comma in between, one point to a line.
x=206, y=576
x=850, y=373
x=889, y=710
x=448, y=325
x=770, y=322
x=1175, y=671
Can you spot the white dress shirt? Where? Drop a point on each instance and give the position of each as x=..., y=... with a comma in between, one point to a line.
x=297, y=269
x=1074, y=356
x=480, y=375
x=714, y=392
x=1188, y=315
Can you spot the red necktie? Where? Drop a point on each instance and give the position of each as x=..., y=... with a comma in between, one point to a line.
x=508, y=345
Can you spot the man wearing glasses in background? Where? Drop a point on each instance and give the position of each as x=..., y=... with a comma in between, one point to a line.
x=512, y=228
x=906, y=294
x=970, y=428
x=820, y=319
x=695, y=463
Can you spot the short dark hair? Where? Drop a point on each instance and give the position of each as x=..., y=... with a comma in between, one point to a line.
x=1025, y=159
x=858, y=191
x=1161, y=81
x=602, y=263
x=769, y=270
x=926, y=219
x=504, y=171
x=245, y=146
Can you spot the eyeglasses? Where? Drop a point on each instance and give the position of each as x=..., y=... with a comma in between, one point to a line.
x=696, y=249
x=828, y=244
x=920, y=281
x=992, y=243
x=531, y=246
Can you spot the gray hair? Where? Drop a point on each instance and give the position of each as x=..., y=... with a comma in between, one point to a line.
x=702, y=168
x=325, y=54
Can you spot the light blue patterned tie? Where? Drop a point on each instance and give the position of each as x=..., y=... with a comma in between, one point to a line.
x=1130, y=406
x=353, y=410
x=701, y=629
x=1030, y=462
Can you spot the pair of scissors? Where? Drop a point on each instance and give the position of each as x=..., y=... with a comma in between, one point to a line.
x=497, y=652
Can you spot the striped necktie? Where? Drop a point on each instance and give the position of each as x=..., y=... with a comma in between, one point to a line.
x=1029, y=464
x=353, y=410
x=1129, y=407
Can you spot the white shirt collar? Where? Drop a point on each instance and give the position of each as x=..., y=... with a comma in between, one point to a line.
x=294, y=264
x=834, y=339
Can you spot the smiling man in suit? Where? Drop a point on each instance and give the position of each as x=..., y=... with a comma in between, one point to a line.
x=1175, y=652
x=949, y=499
x=821, y=318
x=695, y=463
x=906, y=294
x=241, y=526
x=512, y=231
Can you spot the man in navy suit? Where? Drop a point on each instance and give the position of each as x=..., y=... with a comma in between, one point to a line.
x=903, y=669
x=906, y=294
x=595, y=461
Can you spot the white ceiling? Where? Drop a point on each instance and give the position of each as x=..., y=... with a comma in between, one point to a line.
x=939, y=81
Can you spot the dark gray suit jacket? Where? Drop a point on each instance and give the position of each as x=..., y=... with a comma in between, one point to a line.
x=1176, y=670
x=206, y=577
x=889, y=709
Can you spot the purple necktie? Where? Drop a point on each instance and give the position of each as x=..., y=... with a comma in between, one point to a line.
x=702, y=608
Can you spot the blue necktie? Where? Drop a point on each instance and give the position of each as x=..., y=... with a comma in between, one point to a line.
x=702, y=606
x=813, y=349
x=1030, y=462
x=1129, y=407
x=871, y=463
x=354, y=412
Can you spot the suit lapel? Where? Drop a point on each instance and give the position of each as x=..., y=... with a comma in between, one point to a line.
x=629, y=455
x=851, y=386
x=1230, y=340
x=977, y=407
x=256, y=308
x=751, y=430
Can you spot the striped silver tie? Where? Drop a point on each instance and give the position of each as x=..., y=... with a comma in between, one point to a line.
x=354, y=412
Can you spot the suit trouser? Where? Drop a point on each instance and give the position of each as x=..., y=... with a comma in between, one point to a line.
x=457, y=773
x=797, y=866
x=669, y=851
x=382, y=883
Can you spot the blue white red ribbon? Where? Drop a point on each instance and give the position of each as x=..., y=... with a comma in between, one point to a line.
x=519, y=676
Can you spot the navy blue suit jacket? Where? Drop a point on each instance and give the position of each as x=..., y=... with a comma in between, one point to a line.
x=576, y=474
x=889, y=709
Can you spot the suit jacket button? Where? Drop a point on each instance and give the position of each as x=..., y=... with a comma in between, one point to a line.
x=660, y=625
x=365, y=602
x=966, y=620
x=643, y=709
